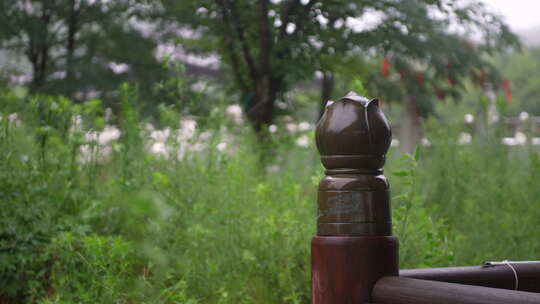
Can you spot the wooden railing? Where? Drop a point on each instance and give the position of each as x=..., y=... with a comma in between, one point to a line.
x=400, y=290
x=355, y=256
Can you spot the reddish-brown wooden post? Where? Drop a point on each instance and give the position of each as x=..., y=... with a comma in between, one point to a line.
x=354, y=246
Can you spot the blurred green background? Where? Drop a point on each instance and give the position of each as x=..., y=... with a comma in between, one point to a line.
x=163, y=151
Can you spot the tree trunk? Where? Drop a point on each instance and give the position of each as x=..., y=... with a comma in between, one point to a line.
x=411, y=126
x=327, y=86
x=72, y=32
x=38, y=50
x=261, y=114
x=39, y=60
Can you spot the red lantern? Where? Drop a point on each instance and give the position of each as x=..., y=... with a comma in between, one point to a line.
x=507, y=90
x=441, y=95
x=385, y=67
x=439, y=92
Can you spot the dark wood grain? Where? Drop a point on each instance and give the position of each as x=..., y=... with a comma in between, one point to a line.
x=353, y=247
x=344, y=269
x=400, y=290
x=353, y=137
x=496, y=276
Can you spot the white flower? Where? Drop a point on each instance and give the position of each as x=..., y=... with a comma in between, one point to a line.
x=464, y=138
x=91, y=135
x=322, y=20
x=509, y=141
x=221, y=146
x=469, y=118
x=523, y=116
x=304, y=126
x=272, y=128
x=149, y=127
x=188, y=124
x=291, y=27
x=234, y=111
x=13, y=119
x=198, y=86
x=202, y=10
x=118, y=68
x=287, y=118
x=109, y=134
x=520, y=138
x=76, y=123
x=160, y=135
x=187, y=129
x=20, y=79
x=303, y=141
x=87, y=152
x=159, y=148
x=58, y=75
x=291, y=127
x=281, y=105
x=425, y=142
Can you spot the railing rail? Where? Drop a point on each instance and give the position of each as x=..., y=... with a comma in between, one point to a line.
x=500, y=276
x=400, y=290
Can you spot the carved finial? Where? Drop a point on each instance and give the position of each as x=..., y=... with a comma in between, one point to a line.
x=353, y=137
x=353, y=134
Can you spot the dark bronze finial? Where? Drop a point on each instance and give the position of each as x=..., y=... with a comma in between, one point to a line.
x=353, y=137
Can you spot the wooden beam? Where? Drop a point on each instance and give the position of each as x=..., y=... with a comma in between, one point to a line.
x=399, y=290
x=501, y=276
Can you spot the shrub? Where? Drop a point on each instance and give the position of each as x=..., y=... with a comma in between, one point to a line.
x=86, y=218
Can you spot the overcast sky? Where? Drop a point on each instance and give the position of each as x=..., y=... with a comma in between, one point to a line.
x=520, y=14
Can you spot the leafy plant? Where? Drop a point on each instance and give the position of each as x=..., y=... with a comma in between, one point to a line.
x=427, y=240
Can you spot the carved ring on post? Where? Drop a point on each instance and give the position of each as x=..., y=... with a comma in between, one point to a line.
x=353, y=137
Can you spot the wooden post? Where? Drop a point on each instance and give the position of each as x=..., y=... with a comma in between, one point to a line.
x=354, y=246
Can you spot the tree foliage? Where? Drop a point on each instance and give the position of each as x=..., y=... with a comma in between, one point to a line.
x=269, y=46
x=521, y=70
x=81, y=47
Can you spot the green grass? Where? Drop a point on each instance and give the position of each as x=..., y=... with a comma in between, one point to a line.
x=218, y=227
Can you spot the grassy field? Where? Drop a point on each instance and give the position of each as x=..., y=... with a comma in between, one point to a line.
x=113, y=208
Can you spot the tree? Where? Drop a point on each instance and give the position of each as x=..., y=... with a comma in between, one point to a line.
x=268, y=46
x=432, y=63
x=81, y=47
